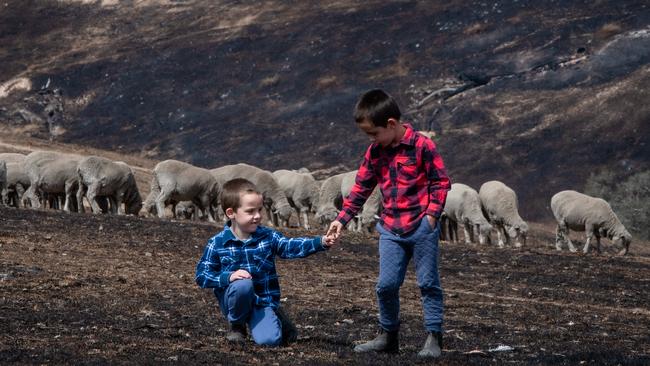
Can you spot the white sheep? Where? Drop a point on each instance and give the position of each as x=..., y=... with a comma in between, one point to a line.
x=174, y=181
x=17, y=180
x=463, y=206
x=369, y=214
x=276, y=203
x=301, y=190
x=580, y=212
x=51, y=175
x=99, y=176
x=500, y=206
x=330, y=200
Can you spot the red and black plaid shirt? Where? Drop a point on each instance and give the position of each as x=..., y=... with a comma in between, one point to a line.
x=412, y=179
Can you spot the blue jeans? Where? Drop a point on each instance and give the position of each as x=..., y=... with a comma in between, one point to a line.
x=237, y=303
x=395, y=252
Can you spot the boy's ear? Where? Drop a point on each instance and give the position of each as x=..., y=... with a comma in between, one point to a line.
x=392, y=123
x=230, y=212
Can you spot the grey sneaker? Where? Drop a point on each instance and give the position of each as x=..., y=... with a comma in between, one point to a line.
x=384, y=342
x=237, y=333
x=289, y=331
x=432, y=346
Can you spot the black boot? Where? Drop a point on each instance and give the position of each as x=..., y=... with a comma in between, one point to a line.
x=432, y=346
x=384, y=342
x=289, y=331
x=237, y=333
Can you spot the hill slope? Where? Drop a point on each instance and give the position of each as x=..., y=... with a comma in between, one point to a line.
x=536, y=94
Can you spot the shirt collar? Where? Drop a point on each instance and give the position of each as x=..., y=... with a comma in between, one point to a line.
x=228, y=235
x=409, y=135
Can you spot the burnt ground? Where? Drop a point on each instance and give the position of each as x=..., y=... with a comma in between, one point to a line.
x=84, y=289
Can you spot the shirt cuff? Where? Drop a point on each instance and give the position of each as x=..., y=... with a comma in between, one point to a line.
x=322, y=243
x=224, y=278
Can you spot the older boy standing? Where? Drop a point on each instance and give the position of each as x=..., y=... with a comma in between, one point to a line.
x=414, y=185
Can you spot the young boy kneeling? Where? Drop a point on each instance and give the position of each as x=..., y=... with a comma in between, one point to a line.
x=239, y=264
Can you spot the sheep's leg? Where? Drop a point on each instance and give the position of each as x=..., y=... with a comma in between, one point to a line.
x=118, y=198
x=31, y=197
x=68, y=197
x=562, y=236
x=453, y=231
x=163, y=196
x=305, y=218
x=81, y=190
x=468, y=237
x=518, y=243
x=598, y=243
x=205, y=208
x=20, y=192
x=91, y=195
x=273, y=219
x=589, y=230
x=500, y=233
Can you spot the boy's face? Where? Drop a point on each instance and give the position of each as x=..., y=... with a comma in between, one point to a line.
x=384, y=136
x=248, y=215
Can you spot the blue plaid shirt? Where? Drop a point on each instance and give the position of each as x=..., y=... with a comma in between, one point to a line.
x=225, y=254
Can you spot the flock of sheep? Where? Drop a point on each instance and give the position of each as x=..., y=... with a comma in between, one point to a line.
x=63, y=180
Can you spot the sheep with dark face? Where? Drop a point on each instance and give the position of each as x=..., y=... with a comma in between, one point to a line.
x=52, y=175
x=463, y=206
x=301, y=190
x=174, y=181
x=501, y=208
x=276, y=203
x=580, y=212
x=99, y=176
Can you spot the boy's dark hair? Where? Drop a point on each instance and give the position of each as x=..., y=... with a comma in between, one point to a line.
x=376, y=106
x=232, y=191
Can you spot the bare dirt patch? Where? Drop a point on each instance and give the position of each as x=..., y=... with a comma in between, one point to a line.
x=106, y=289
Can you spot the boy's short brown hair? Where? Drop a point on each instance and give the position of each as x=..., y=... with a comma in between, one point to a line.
x=376, y=106
x=232, y=191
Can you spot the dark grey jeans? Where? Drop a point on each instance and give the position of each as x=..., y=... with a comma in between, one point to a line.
x=395, y=252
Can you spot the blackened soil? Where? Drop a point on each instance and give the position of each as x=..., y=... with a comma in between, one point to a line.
x=84, y=289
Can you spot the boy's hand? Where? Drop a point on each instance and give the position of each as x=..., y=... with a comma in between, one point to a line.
x=328, y=241
x=335, y=229
x=432, y=221
x=239, y=274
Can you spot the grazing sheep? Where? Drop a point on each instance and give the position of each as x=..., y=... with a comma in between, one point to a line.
x=275, y=200
x=174, y=181
x=17, y=183
x=99, y=176
x=500, y=206
x=185, y=210
x=580, y=212
x=369, y=214
x=330, y=200
x=301, y=190
x=17, y=179
x=52, y=174
x=463, y=207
